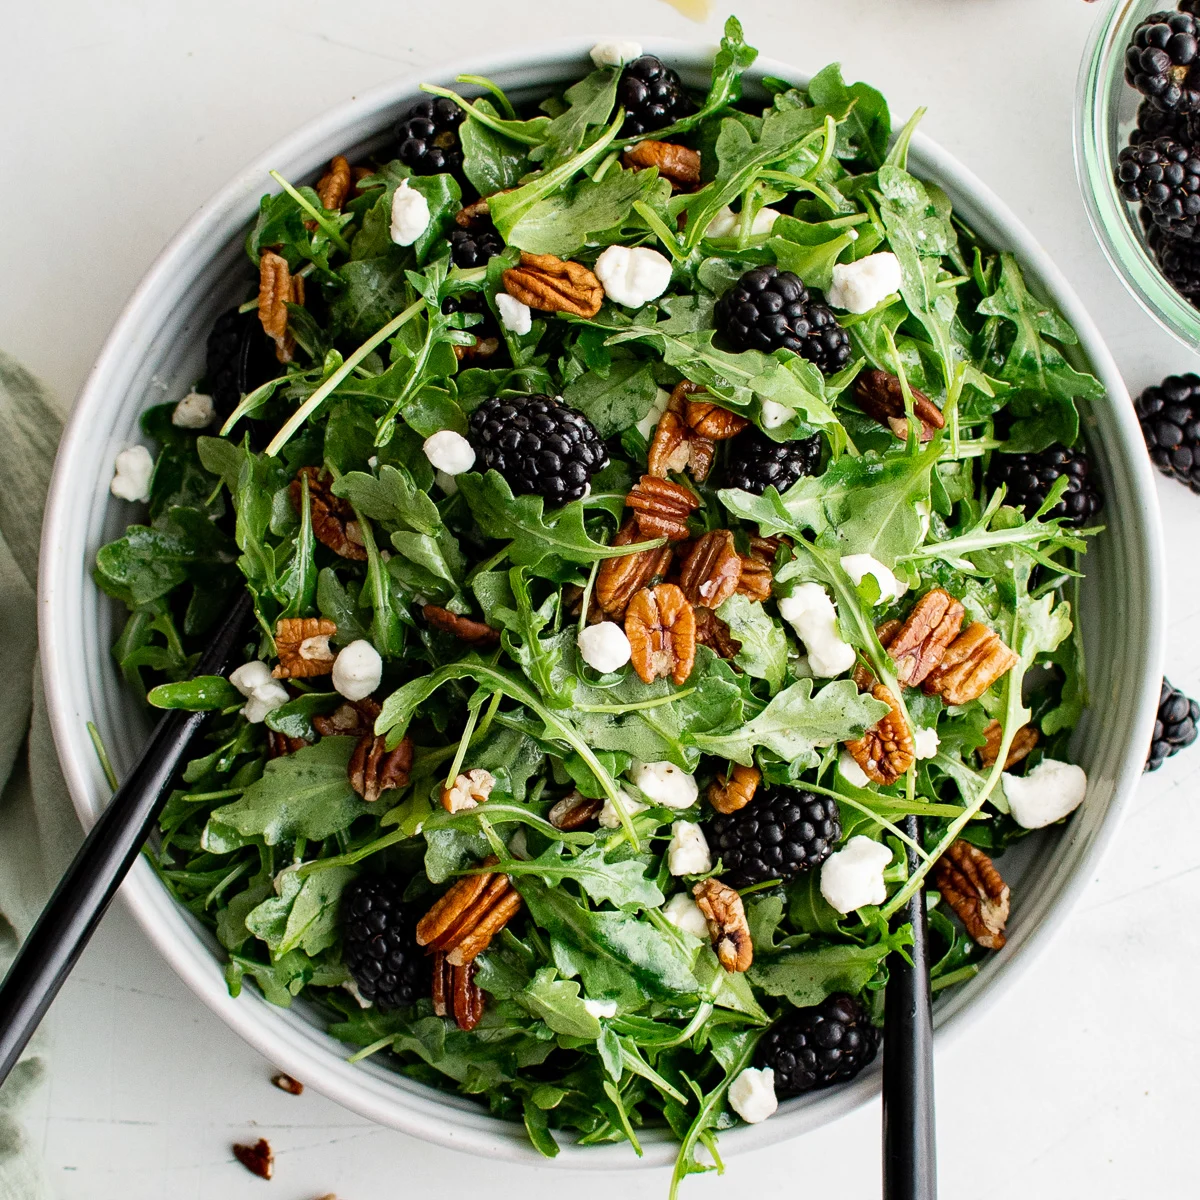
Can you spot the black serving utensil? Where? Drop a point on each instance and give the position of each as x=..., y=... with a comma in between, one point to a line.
x=85, y=891
x=909, y=1151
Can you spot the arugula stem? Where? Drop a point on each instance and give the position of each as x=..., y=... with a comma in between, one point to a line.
x=659, y=227
x=483, y=82
x=464, y=742
x=636, y=706
x=382, y=1044
x=953, y=977
x=352, y=856
x=102, y=754
x=331, y=231
x=496, y=124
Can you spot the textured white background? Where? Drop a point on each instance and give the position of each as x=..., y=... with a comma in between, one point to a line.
x=119, y=118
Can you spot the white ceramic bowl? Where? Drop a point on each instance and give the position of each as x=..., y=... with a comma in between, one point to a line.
x=155, y=353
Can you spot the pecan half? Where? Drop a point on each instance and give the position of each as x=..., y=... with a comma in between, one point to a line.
x=276, y=290
x=333, y=521
x=374, y=769
x=711, y=569
x=714, y=633
x=971, y=664
x=547, y=283
x=676, y=446
x=466, y=918
x=334, y=185
x=661, y=628
x=1024, y=740
x=881, y=397
x=679, y=164
x=728, y=793
x=285, y=1083
x=619, y=579
x=474, y=633
x=257, y=1159
x=574, y=811
x=662, y=507
x=756, y=578
x=921, y=642
x=455, y=993
x=885, y=751
x=722, y=909
x=469, y=790
x=352, y=719
x=303, y=647
x=473, y=215
x=280, y=744
x=972, y=886
x=712, y=421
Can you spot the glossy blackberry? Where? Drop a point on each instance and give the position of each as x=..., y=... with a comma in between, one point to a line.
x=1161, y=61
x=814, y=1047
x=238, y=358
x=755, y=463
x=539, y=445
x=768, y=308
x=1164, y=176
x=473, y=247
x=1153, y=123
x=1028, y=479
x=428, y=137
x=652, y=96
x=780, y=833
x=1170, y=417
x=379, y=945
x=1178, y=259
x=1175, y=726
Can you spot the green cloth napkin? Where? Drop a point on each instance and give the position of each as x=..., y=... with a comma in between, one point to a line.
x=38, y=829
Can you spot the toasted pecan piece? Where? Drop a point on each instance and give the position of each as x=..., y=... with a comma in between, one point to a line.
x=621, y=577
x=661, y=627
x=713, y=632
x=711, y=569
x=920, y=644
x=727, y=926
x=1024, y=740
x=455, y=993
x=728, y=793
x=474, y=633
x=303, y=647
x=712, y=421
x=334, y=522
x=881, y=396
x=662, y=507
x=679, y=164
x=550, y=284
x=374, y=769
x=676, y=446
x=277, y=288
x=885, y=751
x=971, y=885
x=971, y=664
x=469, y=790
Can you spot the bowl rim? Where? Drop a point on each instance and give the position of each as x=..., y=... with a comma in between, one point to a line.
x=1110, y=215
x=281, y=1035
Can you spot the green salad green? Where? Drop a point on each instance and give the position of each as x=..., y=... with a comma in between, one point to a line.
x=601, y=1017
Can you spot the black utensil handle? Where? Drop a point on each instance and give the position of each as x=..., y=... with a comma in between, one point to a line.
x=85, y=891
x=909, y=1148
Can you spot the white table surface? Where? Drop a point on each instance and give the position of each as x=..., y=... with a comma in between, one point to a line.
x=119, y=118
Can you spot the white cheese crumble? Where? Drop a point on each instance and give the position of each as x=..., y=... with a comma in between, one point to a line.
x=726, y=222
x=194, y=411
x=357, y=670
x=752, y=1094
x=133, y=469
x=249, y=676
x=601, y=1008
x=851, y=771
x=647, y=425
x=263, y=693
x=410, y=215
x=352, y=987
x=810, y=612
x=859, y=286
x=608, y=814
x=858, y=566
x=687, y=851
x=684, y=913
x=925, y=742
x=1047, y=794
x=515, y=316
x=775, y=414
x=604, y=646
x=853, y=876
x=666, y=784
x=633, y=276
x=615, y=53
x=449, y=452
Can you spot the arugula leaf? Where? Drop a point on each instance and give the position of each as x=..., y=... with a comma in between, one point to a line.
x=304, y=916
x=764, y=648
x=492, y=162
x=616, y=399
x=867, y=128
x=558, y=1002
x=588, y=103
x=204, y=693
x=622, y=882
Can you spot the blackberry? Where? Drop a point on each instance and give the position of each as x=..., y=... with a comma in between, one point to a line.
x=780, y=833
x=539, y=445
x=1175, y=726
x=768, y=308
x=755, y=463
x=652, y=95
x=428, y=137
x=1170, y=417
x=1161, y=61
x=1028, y=479
x=473, y=247
x=379, y=945
x=814, y=1047
x=238, y=358
x=1165, y=176
x=1179, y=261
x=1153, y=123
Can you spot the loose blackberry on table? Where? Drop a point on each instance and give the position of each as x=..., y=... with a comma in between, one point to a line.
x=1175, y=726
x=1164, y=176
x=755, y=462
x=1170, y=417
x=540, y=446
x=780, y=833
x=768, y=308
x=1028, y=479
x=814, y=1047
x=652, y=95
x=1161, y=61
x=379, y=944
x=427, y=137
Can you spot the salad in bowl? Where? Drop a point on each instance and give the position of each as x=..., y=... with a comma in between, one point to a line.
x=649, y=499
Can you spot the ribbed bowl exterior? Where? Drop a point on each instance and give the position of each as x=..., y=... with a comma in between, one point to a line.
x=155, y=353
